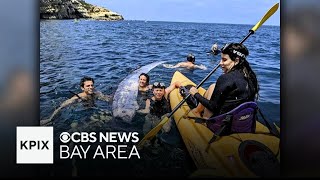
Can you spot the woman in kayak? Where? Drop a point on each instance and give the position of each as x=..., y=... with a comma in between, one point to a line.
x=237, y=84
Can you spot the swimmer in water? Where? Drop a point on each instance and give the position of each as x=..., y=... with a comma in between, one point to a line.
x=189, y=64
x=87, y=95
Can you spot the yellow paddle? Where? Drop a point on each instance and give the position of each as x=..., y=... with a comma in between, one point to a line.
x=265, y=17
x=156, y=129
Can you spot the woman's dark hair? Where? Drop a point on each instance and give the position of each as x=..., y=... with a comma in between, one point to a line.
x=84, y=79
x=236, y=50
x=146, y=75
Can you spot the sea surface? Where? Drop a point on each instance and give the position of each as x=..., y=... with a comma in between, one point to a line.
x=110, y=51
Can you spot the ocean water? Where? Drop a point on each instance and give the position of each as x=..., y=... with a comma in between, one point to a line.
x=110, y=51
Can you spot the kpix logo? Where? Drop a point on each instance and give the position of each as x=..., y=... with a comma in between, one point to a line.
x=28, y=145
x=34, y=145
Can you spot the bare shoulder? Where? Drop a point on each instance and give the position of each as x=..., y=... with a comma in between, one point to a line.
x=101, y=96
x=149, y=87
x=184, y=64
x=73, y=98
x=188, y=65
x=69, y=101
x=192, y=66
x=98, y=94
x=82, y=95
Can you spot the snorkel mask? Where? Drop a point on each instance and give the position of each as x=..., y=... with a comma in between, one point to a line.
x=159, y=85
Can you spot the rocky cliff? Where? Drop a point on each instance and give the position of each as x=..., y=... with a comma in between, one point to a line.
x=71, y=9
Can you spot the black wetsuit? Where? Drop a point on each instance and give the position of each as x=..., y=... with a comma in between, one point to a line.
x=159, y=108
x=231, y=90
x=142, y=97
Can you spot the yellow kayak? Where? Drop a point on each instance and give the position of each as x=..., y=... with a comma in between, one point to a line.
x=236, y=155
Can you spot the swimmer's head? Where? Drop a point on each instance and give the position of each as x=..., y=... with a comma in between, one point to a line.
x=191, y=58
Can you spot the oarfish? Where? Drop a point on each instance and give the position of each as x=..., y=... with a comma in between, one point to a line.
x=124, y=103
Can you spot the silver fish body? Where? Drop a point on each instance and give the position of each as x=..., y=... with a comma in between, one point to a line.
x=125, y=104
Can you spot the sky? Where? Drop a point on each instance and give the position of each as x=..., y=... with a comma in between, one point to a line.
x=202, y=11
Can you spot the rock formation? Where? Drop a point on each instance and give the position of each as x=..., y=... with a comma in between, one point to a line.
x=75, y=9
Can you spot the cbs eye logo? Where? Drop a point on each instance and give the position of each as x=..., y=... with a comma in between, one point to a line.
x=77, y=137
x=64, y=137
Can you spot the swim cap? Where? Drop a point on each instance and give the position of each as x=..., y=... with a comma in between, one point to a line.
x=191, y=58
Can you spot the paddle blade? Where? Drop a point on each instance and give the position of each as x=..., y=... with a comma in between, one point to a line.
x=266, y=16
x=151, y=134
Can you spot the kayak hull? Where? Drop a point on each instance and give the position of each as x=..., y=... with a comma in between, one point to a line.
x=235, y=155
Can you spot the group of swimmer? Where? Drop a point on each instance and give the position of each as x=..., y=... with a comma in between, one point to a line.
x=237, y=84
